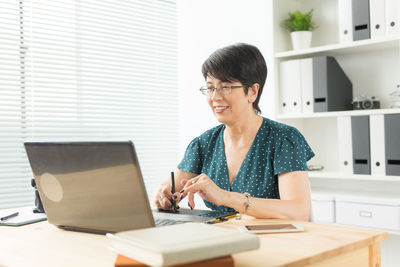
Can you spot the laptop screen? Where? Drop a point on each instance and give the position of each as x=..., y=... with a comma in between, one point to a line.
x=90, y=185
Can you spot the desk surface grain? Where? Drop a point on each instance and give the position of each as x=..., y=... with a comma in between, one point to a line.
x=318, y=243
x=42, y=244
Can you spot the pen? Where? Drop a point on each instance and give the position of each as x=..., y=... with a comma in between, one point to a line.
x=223, y=219
x=5, y=218
x=173, y=190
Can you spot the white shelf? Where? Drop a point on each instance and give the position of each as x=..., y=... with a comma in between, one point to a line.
x=341, y=176
x=339, y=113
x=345, y=48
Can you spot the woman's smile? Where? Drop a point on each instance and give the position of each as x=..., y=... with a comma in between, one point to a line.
x=220, y=109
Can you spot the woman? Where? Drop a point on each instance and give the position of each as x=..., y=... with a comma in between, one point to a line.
x=248, y=163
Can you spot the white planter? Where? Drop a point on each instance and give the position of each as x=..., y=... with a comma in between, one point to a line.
x=301, y=39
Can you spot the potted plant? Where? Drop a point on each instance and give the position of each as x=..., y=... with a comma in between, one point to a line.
x=300, y=25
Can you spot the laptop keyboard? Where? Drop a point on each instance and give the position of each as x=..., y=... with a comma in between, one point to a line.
x=165, y=222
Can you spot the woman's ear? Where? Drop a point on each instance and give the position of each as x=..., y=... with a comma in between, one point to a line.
x=253, y=92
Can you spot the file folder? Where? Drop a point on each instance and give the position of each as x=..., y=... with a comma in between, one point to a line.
x=332, y=89
x=306, y=77
x=392, y=17
x=377, y=144
x=361, y=20
x=360, y=144
x=290, y=87
x=345, y=21
x=377, y=14
x=345, y=145
x=392, y=144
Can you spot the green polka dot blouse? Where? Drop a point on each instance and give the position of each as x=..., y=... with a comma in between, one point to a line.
x=277, y=148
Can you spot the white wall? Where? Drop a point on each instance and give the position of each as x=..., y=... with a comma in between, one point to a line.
x=204, y=26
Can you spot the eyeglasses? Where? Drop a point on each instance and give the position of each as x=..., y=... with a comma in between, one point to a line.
x=224, y=90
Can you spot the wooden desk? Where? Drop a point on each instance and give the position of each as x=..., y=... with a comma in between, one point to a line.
x=42, y=244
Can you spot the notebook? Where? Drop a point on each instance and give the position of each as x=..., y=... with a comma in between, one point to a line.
x=98, y=187
x=25, y=216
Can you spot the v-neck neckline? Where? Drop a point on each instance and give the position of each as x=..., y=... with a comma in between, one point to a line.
x=245, y=158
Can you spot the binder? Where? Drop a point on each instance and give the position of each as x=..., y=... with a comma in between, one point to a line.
x=361, y=20
x=360, y=144
x=290, y=85
x=377, y=14
x=345, y=21
x=392, y=17
x=392, y=144
x=377, y=143
x=332, y=89
x=306, y=71
x=345, y=145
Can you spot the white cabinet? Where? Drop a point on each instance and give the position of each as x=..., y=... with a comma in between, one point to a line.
x=380, y=213
x=322, y=207
x=372, y=65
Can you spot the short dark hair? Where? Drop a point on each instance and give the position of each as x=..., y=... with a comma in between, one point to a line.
x=238, y=63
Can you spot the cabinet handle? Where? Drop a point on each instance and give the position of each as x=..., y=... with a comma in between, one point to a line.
x=365, y=214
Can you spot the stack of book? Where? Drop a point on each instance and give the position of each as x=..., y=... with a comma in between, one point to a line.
x=181, y=244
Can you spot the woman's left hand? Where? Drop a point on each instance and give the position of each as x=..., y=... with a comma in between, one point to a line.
x=205, y=187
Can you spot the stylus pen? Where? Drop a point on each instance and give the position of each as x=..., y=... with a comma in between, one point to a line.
x=173, y=190
x=5, y=218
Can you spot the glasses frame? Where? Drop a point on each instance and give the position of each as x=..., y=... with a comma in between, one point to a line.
x=221, y=90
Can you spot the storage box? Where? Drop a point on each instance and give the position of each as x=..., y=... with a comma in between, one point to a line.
x=376, y=212
x=322, y=207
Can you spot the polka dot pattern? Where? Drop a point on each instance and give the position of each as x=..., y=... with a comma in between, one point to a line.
x=277, y=148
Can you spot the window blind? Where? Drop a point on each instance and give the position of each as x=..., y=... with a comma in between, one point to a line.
x=87, y=70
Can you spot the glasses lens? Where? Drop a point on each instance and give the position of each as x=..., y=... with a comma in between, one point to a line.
x=226, y=90
x=206, y=91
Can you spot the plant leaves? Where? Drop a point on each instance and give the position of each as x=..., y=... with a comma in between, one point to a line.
x=298, y=21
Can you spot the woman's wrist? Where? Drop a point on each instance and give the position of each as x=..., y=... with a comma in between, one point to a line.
x=235, y=200
x=225, y=200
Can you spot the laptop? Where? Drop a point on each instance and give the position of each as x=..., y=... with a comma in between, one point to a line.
x=98, y=187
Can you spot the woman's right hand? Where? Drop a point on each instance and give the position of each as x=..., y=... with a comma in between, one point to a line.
x=164, y=198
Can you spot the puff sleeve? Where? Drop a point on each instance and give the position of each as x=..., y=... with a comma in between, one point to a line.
x=192, y=160
x=292, y=153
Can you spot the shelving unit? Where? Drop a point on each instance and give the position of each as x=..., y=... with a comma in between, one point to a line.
x=372, y=65
x=361, y=46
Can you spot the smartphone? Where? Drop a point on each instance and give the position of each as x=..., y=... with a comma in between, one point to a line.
x=271, y=228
